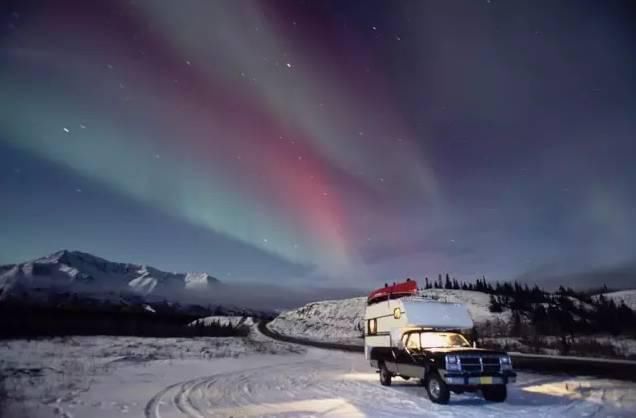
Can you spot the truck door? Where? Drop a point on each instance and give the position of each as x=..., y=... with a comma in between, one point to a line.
x=404, y=356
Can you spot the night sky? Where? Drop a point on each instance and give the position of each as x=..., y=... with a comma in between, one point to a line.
x=333, y=143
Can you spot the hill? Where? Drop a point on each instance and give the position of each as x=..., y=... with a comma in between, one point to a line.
x=626, y=296
x=341, y=320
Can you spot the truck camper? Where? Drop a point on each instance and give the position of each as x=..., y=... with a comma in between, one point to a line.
x=414, y=337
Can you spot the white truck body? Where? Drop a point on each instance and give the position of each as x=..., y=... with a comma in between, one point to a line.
x=386, y=321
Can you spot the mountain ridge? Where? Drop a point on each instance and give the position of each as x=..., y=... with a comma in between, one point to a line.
x=79, y=272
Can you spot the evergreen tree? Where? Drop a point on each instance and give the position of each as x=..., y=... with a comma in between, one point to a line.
x=495, y=305
x=515, y=324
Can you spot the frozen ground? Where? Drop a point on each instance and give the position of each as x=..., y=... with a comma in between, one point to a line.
x=176, y=380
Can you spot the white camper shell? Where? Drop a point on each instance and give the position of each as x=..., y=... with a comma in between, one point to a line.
x=415, y=337
x=386, y=321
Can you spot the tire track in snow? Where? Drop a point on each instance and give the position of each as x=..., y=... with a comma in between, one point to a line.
x=182, y=400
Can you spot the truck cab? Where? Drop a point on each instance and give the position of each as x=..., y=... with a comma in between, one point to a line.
x=418, y=338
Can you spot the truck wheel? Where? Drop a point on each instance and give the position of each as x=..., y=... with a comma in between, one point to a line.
x=495, y=393
x=437, y=389
x=385, y=375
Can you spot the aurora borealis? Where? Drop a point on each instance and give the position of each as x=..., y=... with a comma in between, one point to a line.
x=279, y=141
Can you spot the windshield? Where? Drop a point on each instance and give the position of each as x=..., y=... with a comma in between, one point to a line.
x=416, y=341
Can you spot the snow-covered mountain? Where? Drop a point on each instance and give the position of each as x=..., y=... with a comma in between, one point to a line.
x=80, y=273
x=341, y=320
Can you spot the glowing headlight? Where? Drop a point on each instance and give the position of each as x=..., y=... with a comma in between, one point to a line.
x=452, y=363
x=506, y=362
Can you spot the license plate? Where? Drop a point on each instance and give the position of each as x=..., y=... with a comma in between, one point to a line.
x=485, y=380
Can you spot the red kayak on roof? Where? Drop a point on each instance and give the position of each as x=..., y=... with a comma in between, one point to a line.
x=397, y=290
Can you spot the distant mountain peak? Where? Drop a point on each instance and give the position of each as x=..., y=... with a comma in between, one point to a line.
x=71, y=271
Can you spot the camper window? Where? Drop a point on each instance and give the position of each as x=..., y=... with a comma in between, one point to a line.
x=372, y=327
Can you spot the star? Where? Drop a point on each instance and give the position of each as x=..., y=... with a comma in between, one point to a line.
x=288, y=65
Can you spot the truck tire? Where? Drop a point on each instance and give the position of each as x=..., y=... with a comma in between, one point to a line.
x=495, y=393
x=437, y=389
x=385, y=375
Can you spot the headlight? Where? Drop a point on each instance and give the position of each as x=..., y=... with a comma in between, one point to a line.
x=506, y=362
x=452, y=363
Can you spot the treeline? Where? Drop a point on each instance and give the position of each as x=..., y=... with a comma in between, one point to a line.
x=479, y=285
x=563, y=313
x=33, y=322
x=537, y=311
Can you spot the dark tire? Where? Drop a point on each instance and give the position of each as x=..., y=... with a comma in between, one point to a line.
x=495, y=393
x=405, y=377
x=437, y=389
x=385, y=375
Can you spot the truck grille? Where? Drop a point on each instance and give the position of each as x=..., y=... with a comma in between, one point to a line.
x=480, y=364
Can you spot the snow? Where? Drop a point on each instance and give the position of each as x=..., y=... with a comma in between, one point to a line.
x=233, y=321
x=332, y=320
x=340, y=321
x=113, y=377
x=627, y=296
x=78, y=272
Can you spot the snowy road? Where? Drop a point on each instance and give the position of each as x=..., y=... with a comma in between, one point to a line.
x=334, y=384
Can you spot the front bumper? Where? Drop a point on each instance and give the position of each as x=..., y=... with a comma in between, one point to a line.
x=478, y=379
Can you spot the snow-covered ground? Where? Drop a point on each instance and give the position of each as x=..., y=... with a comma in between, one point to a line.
x=332, y=320
x=340, y=321
x=176, y=381
x=48, y=377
